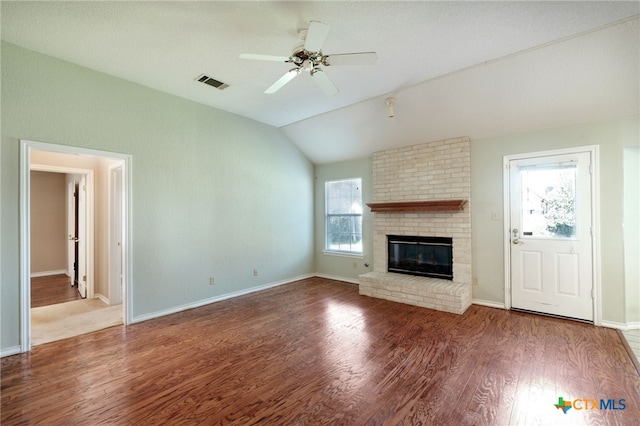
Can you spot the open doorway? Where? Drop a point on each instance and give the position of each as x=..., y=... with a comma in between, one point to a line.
x=99, y=218
x=62, y=225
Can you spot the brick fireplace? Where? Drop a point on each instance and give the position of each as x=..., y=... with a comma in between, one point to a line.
x=422, y=190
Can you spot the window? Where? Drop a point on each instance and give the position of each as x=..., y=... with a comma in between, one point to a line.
x=343, y=219
x=549, y=200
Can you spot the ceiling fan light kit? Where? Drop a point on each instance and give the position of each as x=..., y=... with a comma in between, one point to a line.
x=307, y=55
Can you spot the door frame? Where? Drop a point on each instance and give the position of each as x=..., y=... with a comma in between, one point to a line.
x=25, y=229
x=89, y=215
x=594, y=151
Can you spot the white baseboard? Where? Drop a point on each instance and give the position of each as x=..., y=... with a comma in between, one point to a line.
x=14, y=350
x=337, y=278
x=617, y=325
x=488, y=303
x=633, y=326
x=102, y=297
x=48, y=273
x=203, y=302
x=621, y=325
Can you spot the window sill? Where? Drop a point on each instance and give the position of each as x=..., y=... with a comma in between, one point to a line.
x=343, y=254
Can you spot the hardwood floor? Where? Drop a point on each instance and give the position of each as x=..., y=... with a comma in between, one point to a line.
x=52, y=290
x=316, y=352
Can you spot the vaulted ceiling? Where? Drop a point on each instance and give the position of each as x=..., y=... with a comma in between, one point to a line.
x=476, y=69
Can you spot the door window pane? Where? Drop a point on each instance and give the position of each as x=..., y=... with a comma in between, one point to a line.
x=548, y=201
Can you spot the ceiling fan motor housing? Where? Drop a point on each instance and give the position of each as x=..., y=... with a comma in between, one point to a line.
x=300, y=55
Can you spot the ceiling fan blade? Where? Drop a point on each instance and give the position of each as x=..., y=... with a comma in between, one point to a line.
x=264, y=57
x=362, y=58
x=322, y=80
x=316, y=33
x=282, y=81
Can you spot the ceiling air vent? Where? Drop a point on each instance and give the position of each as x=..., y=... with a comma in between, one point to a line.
x=212, y=82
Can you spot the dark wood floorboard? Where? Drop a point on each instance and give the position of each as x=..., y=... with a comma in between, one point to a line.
x=52, y=290
x=315, y=352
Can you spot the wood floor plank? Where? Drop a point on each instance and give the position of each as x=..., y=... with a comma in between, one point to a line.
x=51, y=290
x=316, y=352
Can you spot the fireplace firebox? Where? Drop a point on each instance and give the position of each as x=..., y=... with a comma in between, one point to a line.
x=422, y=256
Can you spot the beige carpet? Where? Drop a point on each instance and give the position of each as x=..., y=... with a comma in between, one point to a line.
x=64, y=320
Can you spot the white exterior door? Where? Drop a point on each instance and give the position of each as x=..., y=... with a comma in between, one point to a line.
x=551, y=235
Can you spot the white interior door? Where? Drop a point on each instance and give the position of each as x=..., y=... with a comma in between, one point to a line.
x=82, y=237
x=71, y=230
x=551, y=235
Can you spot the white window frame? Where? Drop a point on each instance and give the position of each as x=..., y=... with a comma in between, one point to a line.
x=327, y=249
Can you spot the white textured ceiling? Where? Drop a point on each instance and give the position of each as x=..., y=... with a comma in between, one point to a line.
x=455, y=68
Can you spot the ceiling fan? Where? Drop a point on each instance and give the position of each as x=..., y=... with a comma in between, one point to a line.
x=307, y=55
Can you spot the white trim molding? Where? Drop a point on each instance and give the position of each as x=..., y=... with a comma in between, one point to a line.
x=623, y=326
x=49, y=273
x=633, y=326
x=338, y=278
x=14, y=350
x=617, y=325
x=25, y=245
x=203, y=302
x=488, y=303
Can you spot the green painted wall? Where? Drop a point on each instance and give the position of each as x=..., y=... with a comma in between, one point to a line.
x=613, y=136
x=213, y=193
x=631, y=192
x=331, y=264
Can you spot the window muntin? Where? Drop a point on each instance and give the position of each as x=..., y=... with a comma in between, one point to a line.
x=343, y=216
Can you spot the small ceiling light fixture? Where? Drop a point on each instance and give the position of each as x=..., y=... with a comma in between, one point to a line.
x=390, y=103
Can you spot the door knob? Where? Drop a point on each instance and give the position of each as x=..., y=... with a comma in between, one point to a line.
x=74, y=239
x=517, y=241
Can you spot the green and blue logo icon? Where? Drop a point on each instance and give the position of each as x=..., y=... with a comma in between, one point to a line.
x=563, y=405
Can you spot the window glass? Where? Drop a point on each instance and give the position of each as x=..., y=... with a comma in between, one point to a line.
x=343, y=217
x=548, y=201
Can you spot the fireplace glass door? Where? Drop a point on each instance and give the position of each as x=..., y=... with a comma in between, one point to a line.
x=422, y=256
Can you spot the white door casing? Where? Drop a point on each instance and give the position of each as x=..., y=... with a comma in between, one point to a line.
x=116, y=237
x=25, y=229
x=551, y=266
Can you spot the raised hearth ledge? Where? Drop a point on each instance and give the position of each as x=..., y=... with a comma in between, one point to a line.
x=432, y=293
x=418, y=206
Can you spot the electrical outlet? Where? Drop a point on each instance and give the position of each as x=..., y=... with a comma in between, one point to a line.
x=255, y=272
x=212, y=280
